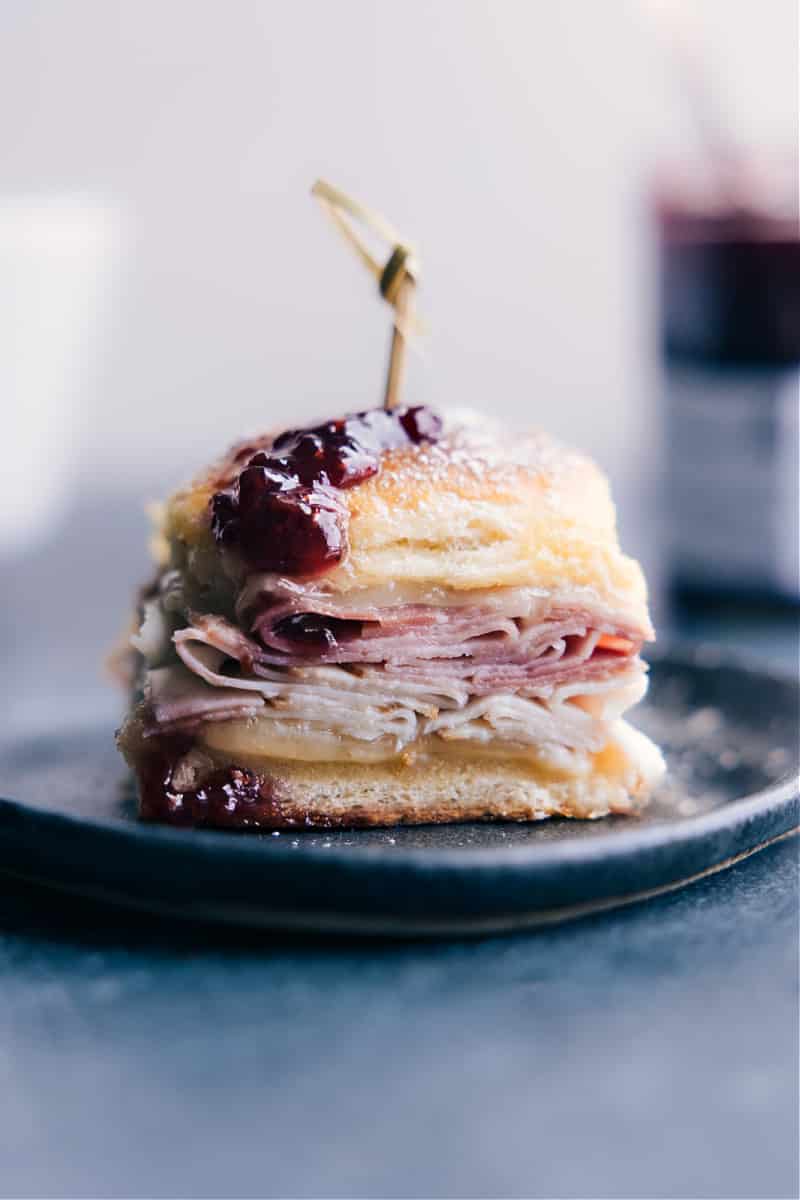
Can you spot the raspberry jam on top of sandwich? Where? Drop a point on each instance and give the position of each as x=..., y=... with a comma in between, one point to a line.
x=283, y=512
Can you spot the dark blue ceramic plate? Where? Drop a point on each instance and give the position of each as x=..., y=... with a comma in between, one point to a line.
x=731, y=741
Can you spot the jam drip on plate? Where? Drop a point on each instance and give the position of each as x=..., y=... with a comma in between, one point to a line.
x=283, y=512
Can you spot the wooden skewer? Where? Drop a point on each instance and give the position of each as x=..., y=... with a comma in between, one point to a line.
x=396, y=279
x=397, y=286
x=397, y=349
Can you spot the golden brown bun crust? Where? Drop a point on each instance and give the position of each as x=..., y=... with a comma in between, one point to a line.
x=327, y=795
x=482, y=508
x=322, y=794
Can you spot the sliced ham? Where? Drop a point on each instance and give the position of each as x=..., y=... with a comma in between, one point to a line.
x=513, y=665
x=180, y=699
x=317, y=702
x=510, y=626
x=533, y=659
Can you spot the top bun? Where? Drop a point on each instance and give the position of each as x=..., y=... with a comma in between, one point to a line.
x=481, y=507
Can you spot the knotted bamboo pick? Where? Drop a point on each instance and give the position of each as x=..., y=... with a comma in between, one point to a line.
x=396, y=277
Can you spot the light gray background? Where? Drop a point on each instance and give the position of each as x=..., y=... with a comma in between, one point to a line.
x=513, y=139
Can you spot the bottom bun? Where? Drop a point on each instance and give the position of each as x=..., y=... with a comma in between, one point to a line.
x=202, y=788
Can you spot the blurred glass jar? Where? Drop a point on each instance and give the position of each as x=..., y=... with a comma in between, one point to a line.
x=730, y=331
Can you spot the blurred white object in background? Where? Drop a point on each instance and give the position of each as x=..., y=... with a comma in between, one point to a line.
x=56, y=254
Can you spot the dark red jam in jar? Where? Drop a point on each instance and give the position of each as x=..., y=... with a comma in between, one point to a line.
x=283, y=512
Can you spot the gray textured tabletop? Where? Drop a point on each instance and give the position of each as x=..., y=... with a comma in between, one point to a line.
x=650, y=1052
